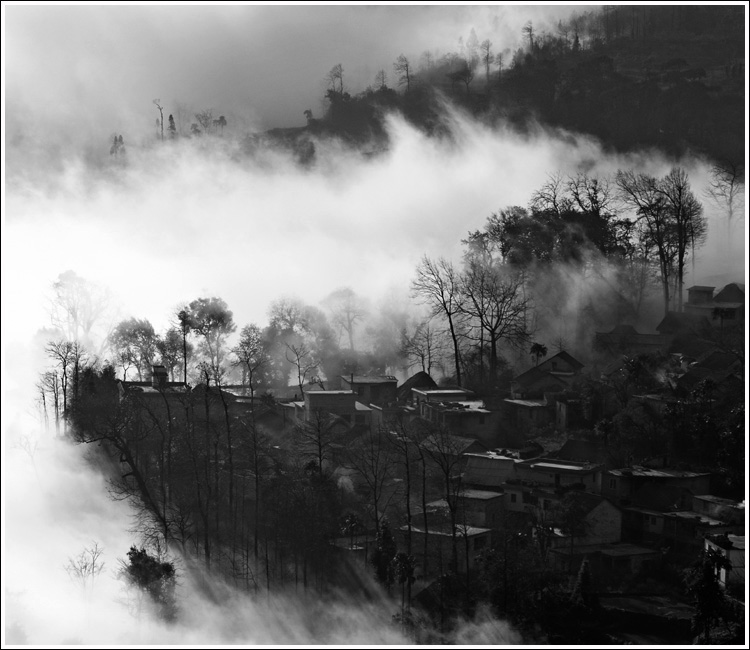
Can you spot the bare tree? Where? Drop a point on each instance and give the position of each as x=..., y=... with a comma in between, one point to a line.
x=381, y=80
x=528, y=32
x=161, y=116
x=688, y=223
x=205, y=119
x=371, y=458
x=336, y=76
x=437, y=285
x=79, y=308
x=445, y=452
x=49, y=385
x=347, y=309
x=402, y=68
x=423, y=347
x=301, y=357
x=487, y=58
x=494, y=298
x=86, y=566
x=641, y=192
x=251, y=355
x=317, y=437
x=726, y=188
x=551, y=196
x=68, y=357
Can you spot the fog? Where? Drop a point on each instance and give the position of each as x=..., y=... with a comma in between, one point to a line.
x=93, y=68
x=186, y=219
x=59, y=506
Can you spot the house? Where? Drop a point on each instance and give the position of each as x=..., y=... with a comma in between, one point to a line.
x=626, y=486
x=561, y=364
x=561, y=473
x=467, y=418
x=490, y=469
x=571, y=410
x=725, y=509
x=528, y=414
x=597, y=521
x=535, y=382
x=732, y=547
x=387, y=416
x=608, y=561
x=470, y=542
x=450, y=448
x=420, y=380
x=671, y=516
x=582, y=451
x=380, y=390
x=480, y=508
x=422, y=396
x=677, y=323
x=625, y=339
x=341, y=403
x=685, y=530
x=727, y=305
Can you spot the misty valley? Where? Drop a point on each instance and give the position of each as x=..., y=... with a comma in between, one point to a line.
x=461, y=360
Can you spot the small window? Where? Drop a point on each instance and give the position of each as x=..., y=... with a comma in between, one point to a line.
x=513, y=497
x=612, y=483
x=361, y=390
x=480, y=543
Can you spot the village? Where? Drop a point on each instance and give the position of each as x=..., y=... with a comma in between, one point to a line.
x=453, y=474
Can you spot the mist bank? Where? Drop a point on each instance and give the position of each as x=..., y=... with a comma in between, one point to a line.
x=56, y=506
x=195, y=218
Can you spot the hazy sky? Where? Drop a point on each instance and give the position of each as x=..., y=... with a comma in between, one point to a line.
x=185, y=221
x=103, y=65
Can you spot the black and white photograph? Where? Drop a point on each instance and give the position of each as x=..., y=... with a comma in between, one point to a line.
x=374, y=324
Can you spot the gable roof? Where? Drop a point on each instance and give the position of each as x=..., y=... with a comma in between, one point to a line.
x=718, y=360
x=534, y=375
x=733, y=292
x=418, y=380
x=676, y=321
x=364, y=379
x=567, y=358
x=581, y=450
x=452, y=444
x=663, y=497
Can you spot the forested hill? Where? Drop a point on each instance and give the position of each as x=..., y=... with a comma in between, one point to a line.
x=670, y=77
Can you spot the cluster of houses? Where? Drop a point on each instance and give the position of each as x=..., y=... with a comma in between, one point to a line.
x=626, y=518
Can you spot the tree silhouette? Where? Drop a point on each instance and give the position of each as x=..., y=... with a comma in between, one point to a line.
x=702, y=583
x=538, y=351
x=382, y=557
x=153, y=578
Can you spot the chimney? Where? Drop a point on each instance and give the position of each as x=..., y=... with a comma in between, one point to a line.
x=159, y=377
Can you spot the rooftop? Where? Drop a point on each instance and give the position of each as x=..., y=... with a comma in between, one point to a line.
x=363, y=379
x=437, y=392
x=526, y=402
x=483, y=495
x=691, y=514
x=568, y=467
x=468, y=531
x=656, y=473
x=720, y=500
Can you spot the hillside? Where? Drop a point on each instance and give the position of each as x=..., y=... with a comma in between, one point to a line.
x=672, y=78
